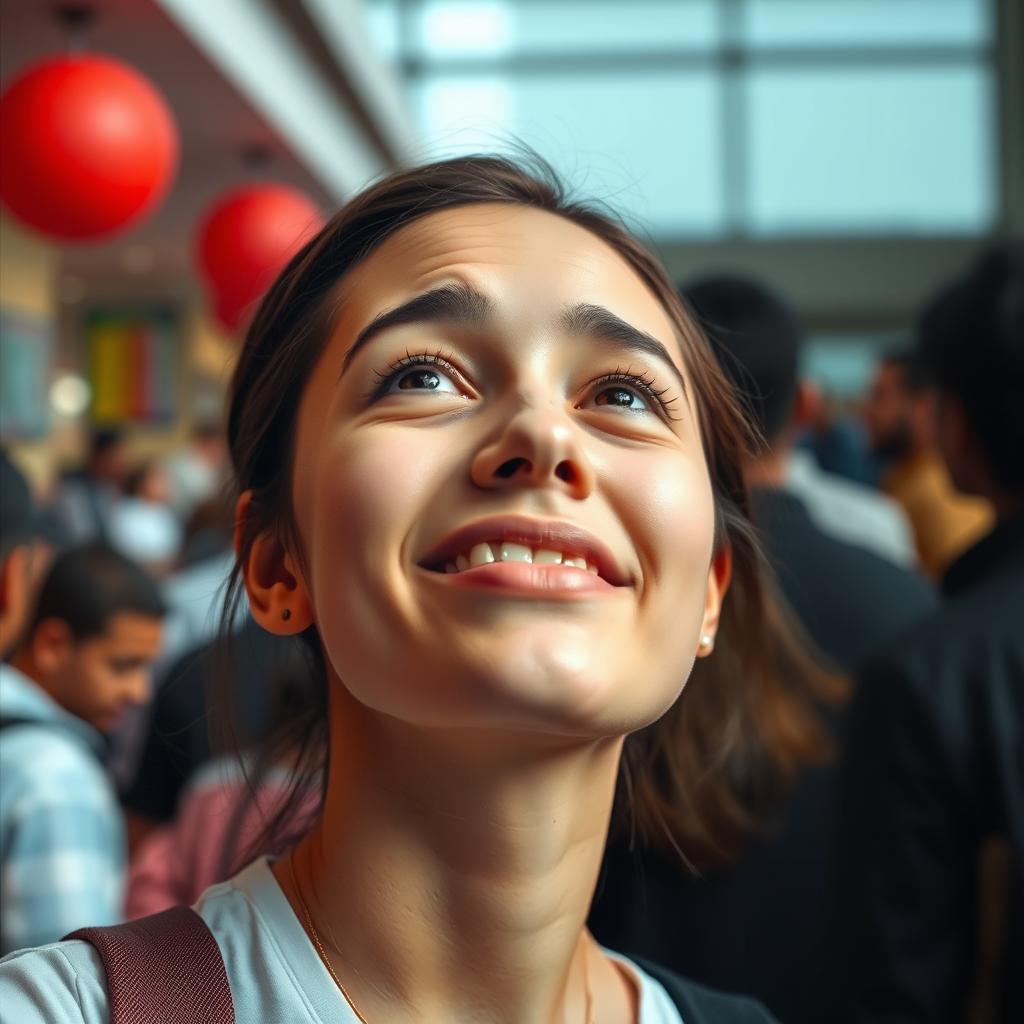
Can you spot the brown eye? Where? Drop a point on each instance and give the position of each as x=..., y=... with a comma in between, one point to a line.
x=426, y=380
x=621, y=397
x=422, y=379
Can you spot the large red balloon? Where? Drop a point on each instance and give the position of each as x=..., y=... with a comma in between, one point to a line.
x=87, y=147
x=245, y=240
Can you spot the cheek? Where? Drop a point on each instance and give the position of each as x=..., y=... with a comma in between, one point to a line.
x=373, y=490
x=672, y=509
x=675, y=532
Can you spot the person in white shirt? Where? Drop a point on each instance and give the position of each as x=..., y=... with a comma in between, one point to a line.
x=489, y=473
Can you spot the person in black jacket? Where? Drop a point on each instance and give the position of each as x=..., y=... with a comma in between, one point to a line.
x=723, y=927
x=929, y=888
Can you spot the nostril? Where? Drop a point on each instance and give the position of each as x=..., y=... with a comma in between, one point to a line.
x=510, y=468
x=564, y=471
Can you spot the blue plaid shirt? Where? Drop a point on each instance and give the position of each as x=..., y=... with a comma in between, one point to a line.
x=62, y=835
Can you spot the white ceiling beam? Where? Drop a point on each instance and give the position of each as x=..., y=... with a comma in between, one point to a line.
x=254, y=49
x=342, y=26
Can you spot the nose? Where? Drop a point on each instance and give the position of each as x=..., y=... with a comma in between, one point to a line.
x=536, y=448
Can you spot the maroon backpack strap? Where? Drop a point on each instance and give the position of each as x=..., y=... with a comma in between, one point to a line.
x=166, y=967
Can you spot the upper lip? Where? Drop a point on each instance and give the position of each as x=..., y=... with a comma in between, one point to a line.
x=553, y=535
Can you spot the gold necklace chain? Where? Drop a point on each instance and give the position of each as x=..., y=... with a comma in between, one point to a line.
x=319, y=945
x=311, y=928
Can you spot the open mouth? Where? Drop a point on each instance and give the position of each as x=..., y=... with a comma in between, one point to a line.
x=489, y=552
x=525, y=549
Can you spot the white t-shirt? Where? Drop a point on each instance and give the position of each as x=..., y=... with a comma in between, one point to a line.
x=273, y=970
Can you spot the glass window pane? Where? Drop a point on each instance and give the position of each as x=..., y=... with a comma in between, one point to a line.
x=481, y=28
x=863, y=150
x=867, y=22
x=647, y=144
x=382, y=26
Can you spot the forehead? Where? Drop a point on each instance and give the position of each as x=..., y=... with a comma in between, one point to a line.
x=528, y=260
x=130, y=629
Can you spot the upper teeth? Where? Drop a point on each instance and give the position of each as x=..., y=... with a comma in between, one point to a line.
x=505, y=551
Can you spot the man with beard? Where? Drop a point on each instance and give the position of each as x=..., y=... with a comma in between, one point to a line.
x=899, y=417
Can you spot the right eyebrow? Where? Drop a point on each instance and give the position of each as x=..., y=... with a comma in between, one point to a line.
x=455, y=303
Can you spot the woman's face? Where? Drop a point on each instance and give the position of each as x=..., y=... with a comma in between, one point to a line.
x=536, y=401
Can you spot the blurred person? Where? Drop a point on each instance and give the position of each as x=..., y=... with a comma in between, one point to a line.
x=222, y=818
x=197, y=471
x=849, y=511
x=18, y=561
x=86, y=498
x=177, y=738
x=838, y=504
x=143, y=526
x=899, y=414
x=839, y=443
x=208, y=530
x=754, y=926
x=848, y=599
x=928, y=903
x=193, y=594
x=81, y=662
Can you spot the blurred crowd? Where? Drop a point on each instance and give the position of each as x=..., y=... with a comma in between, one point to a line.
x=886, y=886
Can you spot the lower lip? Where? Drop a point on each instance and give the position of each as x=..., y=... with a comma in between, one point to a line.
x=529, y=579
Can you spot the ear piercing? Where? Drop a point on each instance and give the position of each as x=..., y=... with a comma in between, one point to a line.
x=286, y=614
x=706, y=641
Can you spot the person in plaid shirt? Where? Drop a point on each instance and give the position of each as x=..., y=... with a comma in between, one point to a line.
x=81, y=663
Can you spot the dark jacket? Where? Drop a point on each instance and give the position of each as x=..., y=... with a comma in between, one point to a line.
x=851, y=601
x=934, y=769
x=699, y=1005
x=755, y=926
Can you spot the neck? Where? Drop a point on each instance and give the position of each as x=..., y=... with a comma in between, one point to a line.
x=451, y=875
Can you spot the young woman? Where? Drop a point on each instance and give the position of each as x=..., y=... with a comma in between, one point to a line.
x=489, y=475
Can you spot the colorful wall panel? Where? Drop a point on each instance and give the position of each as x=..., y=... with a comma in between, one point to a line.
x=134, y=366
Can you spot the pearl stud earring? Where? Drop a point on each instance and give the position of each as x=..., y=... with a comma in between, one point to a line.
x=706, y=640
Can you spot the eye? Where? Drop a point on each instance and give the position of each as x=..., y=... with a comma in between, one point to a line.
x=424, y=373
x=632, y=392
x=422, y=379
x=621, y=397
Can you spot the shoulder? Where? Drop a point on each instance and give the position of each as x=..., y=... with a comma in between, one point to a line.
x=63, y=981
x=700, y=1005
x=48, y=760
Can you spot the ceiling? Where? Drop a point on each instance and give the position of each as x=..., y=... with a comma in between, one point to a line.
x=217, y=126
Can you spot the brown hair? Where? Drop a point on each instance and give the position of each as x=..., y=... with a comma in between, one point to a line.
x=698, y=779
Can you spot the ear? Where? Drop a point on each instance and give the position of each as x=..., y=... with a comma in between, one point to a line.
x=719, y=578
x=50, y=644
x=277, y=594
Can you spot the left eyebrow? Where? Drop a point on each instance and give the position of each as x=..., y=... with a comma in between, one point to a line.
x=452, y=303
x=603, y=325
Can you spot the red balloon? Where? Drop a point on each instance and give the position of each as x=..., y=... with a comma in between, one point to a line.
x=246, y=239
x=230, y=313
x=87, y=147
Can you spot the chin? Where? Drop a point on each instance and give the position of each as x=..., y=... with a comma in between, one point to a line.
x=574, y=693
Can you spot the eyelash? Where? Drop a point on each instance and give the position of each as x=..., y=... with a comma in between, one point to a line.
x=641, y=382
x=410, y=361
